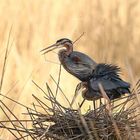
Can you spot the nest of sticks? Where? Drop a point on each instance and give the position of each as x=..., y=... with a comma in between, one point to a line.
x=109, y=121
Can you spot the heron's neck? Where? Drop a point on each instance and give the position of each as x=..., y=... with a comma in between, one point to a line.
x=69, y=49
x=62, y=56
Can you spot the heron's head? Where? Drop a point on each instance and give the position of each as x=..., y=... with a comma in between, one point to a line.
x=64, y=42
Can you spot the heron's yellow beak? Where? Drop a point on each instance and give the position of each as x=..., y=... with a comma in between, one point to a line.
x=51, y=48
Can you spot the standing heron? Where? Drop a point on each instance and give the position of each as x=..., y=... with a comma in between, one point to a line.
x=89, y=72
x=76, y=63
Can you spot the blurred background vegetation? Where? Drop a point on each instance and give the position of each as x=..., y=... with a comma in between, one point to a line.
x=112, y=35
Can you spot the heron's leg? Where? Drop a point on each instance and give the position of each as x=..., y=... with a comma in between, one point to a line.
x=78, y=87
x=82, y=103
x=94, y=104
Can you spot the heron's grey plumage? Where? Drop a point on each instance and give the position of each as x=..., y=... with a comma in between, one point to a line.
x=77, y=64
x=108, y=77
x=89, y=72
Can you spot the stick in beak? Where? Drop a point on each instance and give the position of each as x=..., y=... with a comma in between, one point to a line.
x=50, y=48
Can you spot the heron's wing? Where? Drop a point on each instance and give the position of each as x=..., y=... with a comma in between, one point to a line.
x=82, y=59
x=82, y=73
x=108, y=84
x=108, y=77
x=106, y=69
x=79, y=65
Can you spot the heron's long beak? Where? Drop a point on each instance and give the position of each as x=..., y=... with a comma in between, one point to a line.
x=50, y=48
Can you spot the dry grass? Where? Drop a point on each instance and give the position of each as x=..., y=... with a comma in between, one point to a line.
x=112, y=31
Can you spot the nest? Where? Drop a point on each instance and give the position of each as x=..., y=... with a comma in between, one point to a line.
x=109, y=121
